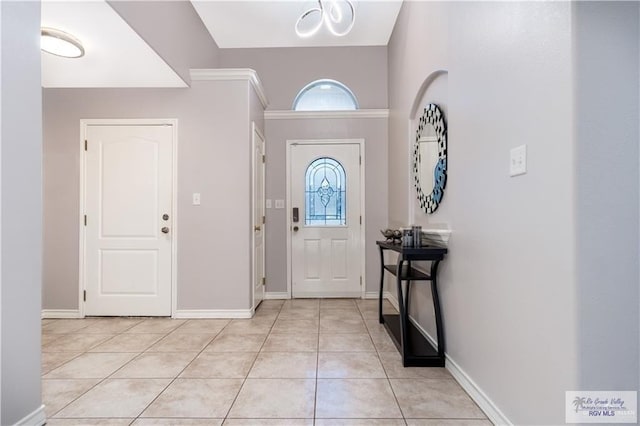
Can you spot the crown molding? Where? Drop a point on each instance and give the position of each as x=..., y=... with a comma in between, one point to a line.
x=226, y=74
x=303, y=115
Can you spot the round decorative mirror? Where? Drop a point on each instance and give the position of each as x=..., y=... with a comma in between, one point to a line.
x=430, y=158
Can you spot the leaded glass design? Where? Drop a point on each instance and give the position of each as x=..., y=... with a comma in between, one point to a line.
x=325, y=194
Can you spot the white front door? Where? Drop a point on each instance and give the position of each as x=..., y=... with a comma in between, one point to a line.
x=258, y=217
x=128, y=223
x=325, y=219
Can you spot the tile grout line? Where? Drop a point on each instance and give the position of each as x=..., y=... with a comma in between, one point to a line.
x=42, y=373
x=386, y=375
x=395, y=397
x=139, y=355
x=177, y=375
x=251, y=367
x=84, y=353
x=315, y=394
x=99, y=380
x=181, y=371
x=278, y=312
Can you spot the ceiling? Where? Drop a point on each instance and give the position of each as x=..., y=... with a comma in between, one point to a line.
x=116, y=56
x=270, y=23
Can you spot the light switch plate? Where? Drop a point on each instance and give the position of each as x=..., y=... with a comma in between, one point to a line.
x=196, y=198
x=268, y=203
x=279, y=204
x=518, y=161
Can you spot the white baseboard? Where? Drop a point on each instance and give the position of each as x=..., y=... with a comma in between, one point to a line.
x=386, y=295
x=323, y=295
x=213, y=313
x=276, y=295
x=60, y=313
x=36, y=418
x=425, y=333
x=492, y=411
x=475, y=392
x=392, y=299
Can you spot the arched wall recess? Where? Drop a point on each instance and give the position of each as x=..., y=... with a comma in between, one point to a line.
x=423, y=89
x=429, y=163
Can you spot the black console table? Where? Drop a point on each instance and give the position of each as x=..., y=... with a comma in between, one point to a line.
x=416, y=351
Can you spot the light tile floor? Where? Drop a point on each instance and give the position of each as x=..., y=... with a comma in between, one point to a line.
x=297, y=362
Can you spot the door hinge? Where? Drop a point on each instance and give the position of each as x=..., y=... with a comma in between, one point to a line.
x=264, y=281
x=85, y=144
x=360, y=160
x=360, y=220
x=84, y=295
x=264, y=219
x=85, y=220
x=361, y=281
x=264, y=158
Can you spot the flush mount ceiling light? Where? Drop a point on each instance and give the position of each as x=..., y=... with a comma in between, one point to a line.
x=337, y=15
x=60, y=43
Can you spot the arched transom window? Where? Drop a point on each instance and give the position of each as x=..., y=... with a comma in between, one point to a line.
x=325, y=95
x=325, y=200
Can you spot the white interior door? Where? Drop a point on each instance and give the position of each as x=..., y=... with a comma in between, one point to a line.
x=258, y=218
x=128, y=231
x=325, y=220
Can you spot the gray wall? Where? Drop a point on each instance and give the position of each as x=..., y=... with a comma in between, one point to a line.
x=284, y=71
x=508, y=288
x=213, y=159
x=606, y=40
x=174, y=30
x=540, y=289
x=374, y=132
x=21, y=200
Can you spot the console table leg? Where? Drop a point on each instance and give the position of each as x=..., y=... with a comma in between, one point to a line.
x=403, y=312
x=407, y=293
x=436, y=308
x=380, y=319
x=407, y=299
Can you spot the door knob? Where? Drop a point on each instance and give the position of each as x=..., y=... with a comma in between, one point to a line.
x=165, y=230
x=256, y=228
x=295, y=229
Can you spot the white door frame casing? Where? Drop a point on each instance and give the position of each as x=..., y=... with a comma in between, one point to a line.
x=288, y=205
x=84, y=123
x=254, y=167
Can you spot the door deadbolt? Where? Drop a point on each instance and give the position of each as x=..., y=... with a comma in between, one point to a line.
x=165, y=230
x=165, y=217
x=295, y=229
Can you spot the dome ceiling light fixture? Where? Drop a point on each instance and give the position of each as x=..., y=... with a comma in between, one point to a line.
x=60, y=43
x=337, y=15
